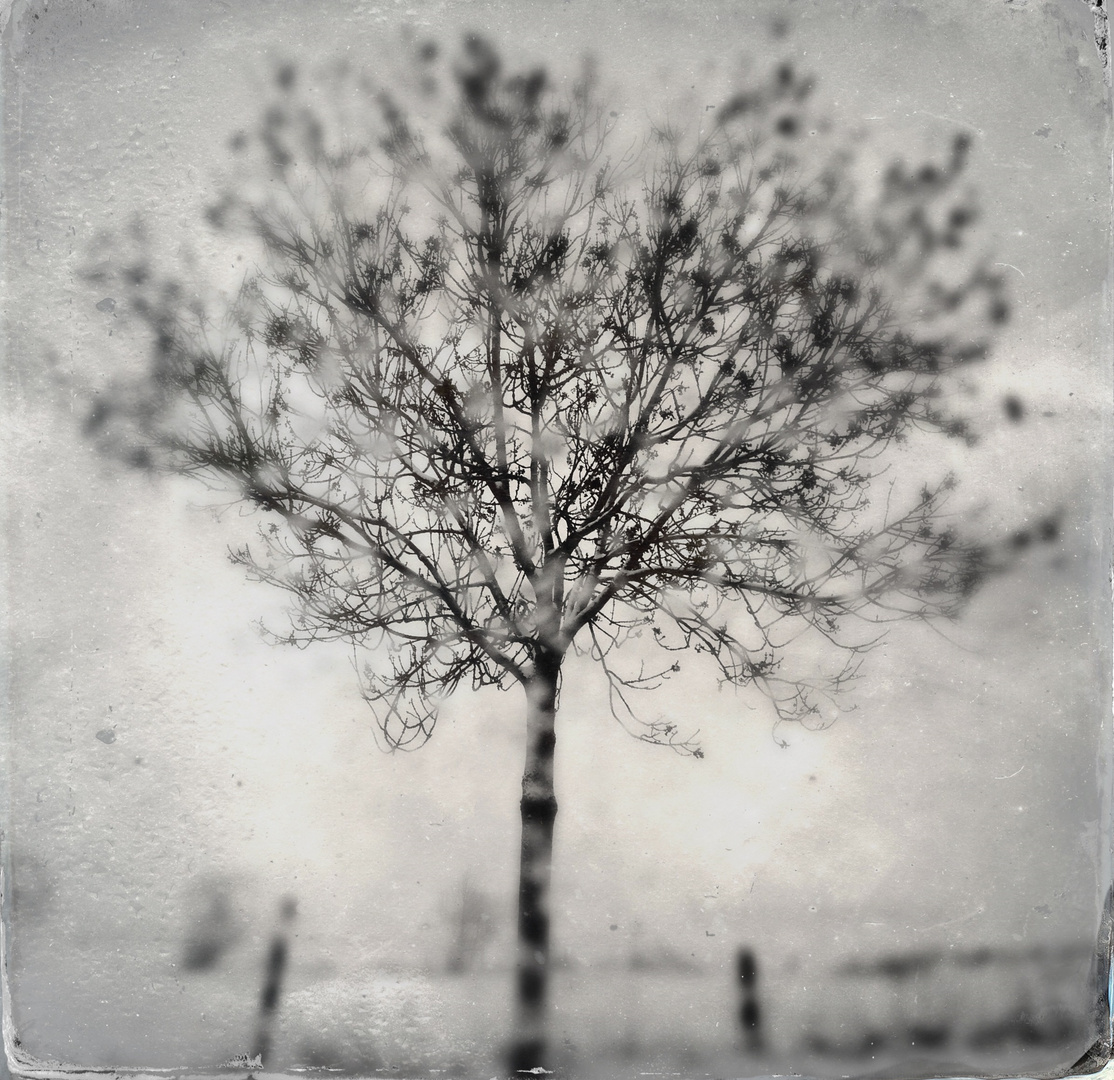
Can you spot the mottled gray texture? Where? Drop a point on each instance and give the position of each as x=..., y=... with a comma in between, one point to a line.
x=159, y=755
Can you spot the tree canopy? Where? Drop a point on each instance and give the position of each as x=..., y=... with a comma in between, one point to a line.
x=503, y=385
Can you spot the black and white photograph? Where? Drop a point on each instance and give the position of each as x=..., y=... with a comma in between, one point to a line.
x=556, y=538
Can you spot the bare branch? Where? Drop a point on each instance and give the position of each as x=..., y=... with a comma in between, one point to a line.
x=497, y=386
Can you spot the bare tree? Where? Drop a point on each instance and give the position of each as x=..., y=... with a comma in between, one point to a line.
x=501, y=390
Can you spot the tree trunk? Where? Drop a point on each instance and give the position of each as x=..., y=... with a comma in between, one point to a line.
x=529, y=1048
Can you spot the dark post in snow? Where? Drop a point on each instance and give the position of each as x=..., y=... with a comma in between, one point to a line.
x=750, y=1014
x=272, y=981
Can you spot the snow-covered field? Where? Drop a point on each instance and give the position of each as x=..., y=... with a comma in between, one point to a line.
x=1005, y=1015
x=1000, y=1017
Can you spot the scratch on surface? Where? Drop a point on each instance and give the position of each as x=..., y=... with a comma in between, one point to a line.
x=1012, y=774
x=950, y=922
x=1022, y=273
x=1102, y=35
x=950, y=120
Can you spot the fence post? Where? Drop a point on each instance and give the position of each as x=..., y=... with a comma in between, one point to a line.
x=272, y=981
x=750, y=1012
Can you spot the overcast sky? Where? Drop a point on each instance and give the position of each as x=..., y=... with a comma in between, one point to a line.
x=154, y=741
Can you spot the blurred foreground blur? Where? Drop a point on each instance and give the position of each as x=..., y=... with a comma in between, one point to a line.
x=1024, y=1008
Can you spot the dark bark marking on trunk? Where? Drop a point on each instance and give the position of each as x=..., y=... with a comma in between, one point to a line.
x=529, y=1049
